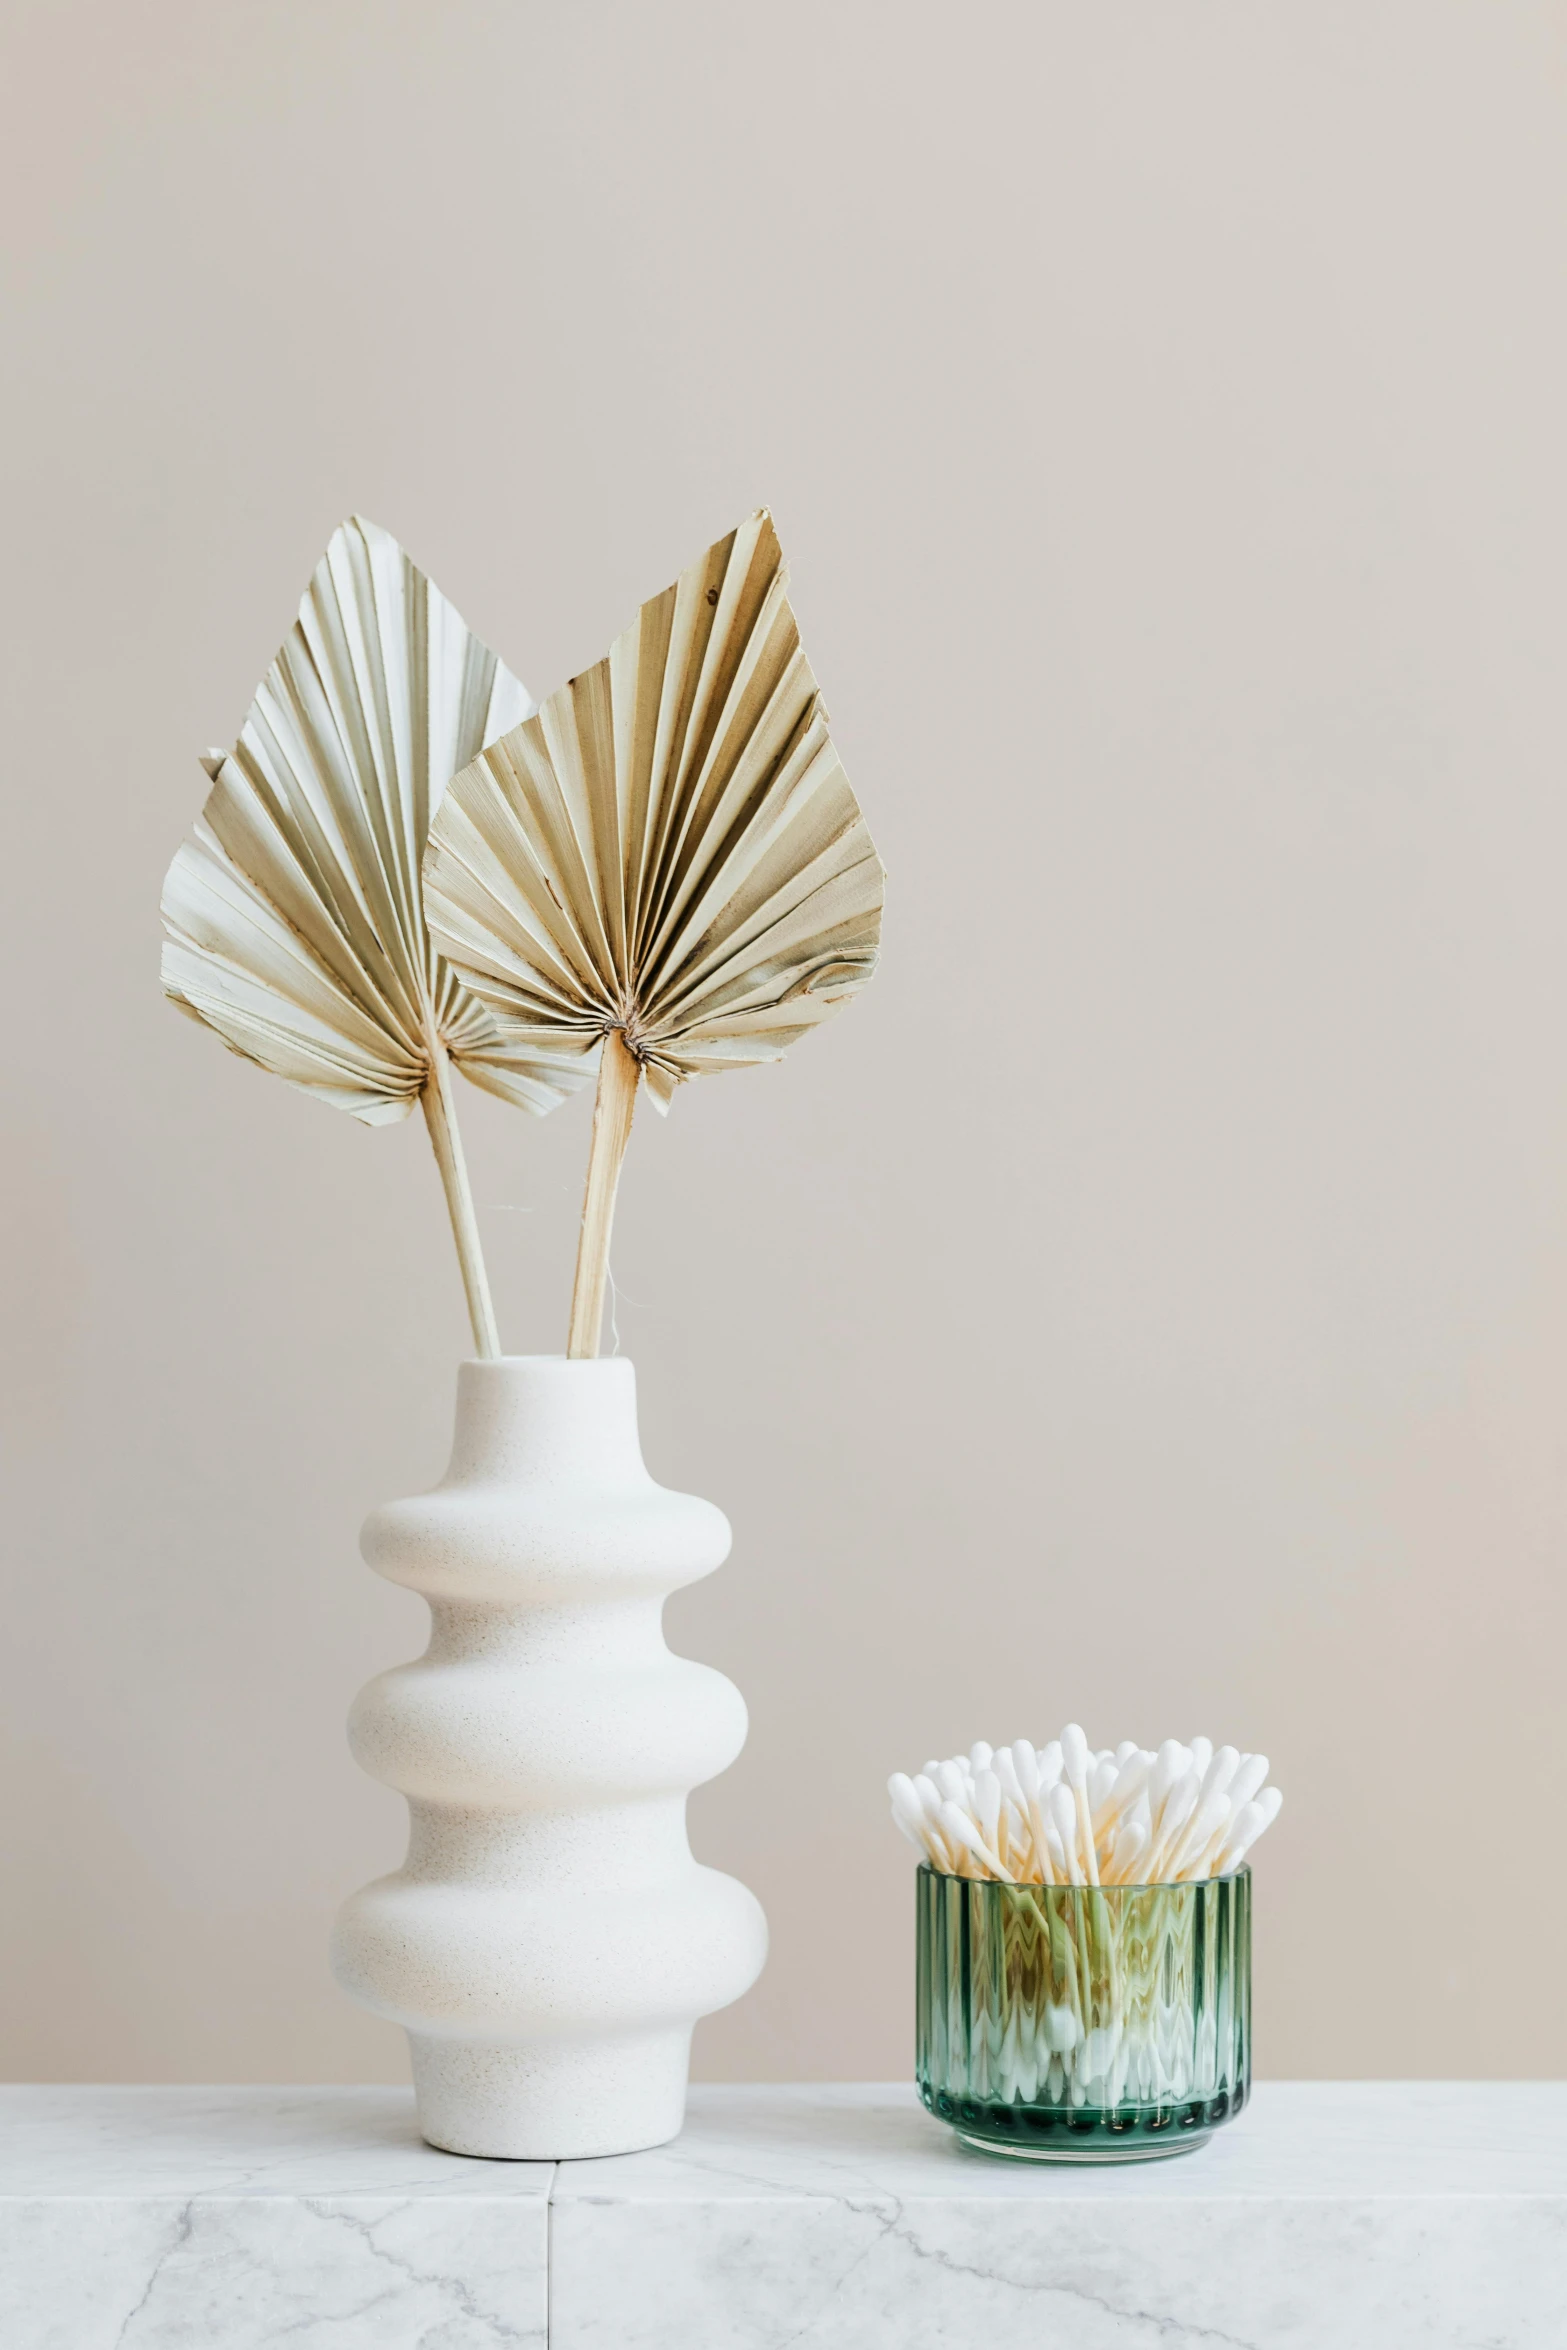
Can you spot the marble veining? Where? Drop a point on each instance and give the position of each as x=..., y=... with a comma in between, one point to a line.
x=1361, y=2216
x=1358, y=2216
x=236, y=2219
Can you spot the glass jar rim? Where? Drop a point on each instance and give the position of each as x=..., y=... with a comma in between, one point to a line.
x=1033, y=1884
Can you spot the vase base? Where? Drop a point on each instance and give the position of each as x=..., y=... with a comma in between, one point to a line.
x=509, y=2101
x=1128, y=2150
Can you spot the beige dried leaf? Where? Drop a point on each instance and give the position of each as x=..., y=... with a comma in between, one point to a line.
x=669, y=847
x=293, y=913
x=666, y=860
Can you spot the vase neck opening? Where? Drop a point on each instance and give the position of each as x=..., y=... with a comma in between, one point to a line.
x=545, y=1417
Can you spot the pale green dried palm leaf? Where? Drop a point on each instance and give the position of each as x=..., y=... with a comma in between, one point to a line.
x=293, y=915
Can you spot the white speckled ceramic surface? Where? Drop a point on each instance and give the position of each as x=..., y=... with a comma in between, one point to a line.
x=549, y=1941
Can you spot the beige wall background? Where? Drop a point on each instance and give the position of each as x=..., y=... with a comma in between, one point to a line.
x=1149, y=1303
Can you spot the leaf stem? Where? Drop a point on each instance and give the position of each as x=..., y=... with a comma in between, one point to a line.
x=613, y=1105
x=440, y=1115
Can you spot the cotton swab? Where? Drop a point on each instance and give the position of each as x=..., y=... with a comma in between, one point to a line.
x=1067, y=1813
x=1063, y=1819
x=1246, y=1827
x=1075, y=1765
x=1249, y=1779
x=961, y=1831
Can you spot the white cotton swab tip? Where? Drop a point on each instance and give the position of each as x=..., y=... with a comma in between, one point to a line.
x=1073, y=1814
x=1169, y=1763
x=905, y=1797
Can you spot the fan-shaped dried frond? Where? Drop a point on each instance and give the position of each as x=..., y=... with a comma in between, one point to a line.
x=669, y=847
x=293, y=914
x=667, y=857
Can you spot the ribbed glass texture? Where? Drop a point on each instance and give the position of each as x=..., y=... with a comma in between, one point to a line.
x=1072, y=2024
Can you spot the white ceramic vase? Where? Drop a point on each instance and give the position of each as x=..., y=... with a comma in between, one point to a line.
x=549, y=1941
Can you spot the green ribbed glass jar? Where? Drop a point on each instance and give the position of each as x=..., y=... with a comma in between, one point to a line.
x=1065, y=2023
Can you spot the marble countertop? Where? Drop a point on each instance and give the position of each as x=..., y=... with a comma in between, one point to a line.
x=1359, y=2216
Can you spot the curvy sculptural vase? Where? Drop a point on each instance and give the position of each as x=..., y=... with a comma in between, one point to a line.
x=549, y=1941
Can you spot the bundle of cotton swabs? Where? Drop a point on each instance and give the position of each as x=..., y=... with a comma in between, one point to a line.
x=1064, y=1814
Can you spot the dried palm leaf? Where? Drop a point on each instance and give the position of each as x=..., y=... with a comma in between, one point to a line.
x=293, y=914
x=666, y=856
